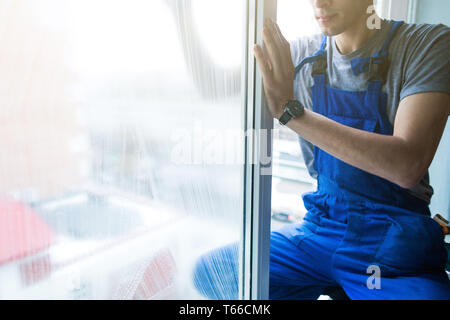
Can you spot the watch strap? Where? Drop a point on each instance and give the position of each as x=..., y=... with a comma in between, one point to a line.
x=285, y=118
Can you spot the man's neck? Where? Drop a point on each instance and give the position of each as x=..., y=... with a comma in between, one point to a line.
x=355, y=37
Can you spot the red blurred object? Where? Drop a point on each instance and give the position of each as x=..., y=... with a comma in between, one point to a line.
x=158, y=278
x=22, y=232
x=35, y=270
x=150, y=278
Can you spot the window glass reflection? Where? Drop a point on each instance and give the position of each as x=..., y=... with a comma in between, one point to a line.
x=111, y=113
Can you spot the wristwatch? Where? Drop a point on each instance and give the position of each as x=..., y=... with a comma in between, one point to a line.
x=292, y=109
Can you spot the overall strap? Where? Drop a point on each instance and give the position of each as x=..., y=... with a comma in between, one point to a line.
x=318, y=55
x=385, y=48
x=378, y=64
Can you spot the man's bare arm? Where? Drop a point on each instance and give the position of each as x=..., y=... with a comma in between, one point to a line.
x=402, y=158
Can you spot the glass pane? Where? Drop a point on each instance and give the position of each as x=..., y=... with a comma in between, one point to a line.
x=290, y=175
x=122, y=154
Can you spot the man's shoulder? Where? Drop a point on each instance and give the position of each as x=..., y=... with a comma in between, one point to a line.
x=419, y=53
x=418, y=28
x=421, y=34
x=419, y=45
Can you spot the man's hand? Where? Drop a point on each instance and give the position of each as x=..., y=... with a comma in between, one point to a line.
x=275, y=63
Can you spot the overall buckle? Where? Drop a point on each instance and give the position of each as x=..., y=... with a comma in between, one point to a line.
x=378, y=68
x=320, y=65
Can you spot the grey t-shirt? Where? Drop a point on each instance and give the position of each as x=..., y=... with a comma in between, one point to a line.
x=419, y=57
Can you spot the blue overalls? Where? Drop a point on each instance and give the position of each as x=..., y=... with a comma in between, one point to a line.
x=361, y=232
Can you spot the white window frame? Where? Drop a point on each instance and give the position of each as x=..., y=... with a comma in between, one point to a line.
x=404, y=10
x=254, y=269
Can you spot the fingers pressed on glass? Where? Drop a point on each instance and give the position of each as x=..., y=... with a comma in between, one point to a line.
x=272, y=50
x=284, y=48
x=262, y=61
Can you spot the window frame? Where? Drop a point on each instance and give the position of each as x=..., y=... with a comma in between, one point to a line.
x=404, y=10
x=254, y=258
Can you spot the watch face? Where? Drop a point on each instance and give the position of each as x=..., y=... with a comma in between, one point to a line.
x=295, y=108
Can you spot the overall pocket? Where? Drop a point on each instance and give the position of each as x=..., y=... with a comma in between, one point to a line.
x=363, y=237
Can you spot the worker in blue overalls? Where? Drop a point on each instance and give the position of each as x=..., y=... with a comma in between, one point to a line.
x=369, y=104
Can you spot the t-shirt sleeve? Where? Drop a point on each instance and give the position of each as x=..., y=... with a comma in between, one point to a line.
x=427, y=66
x=303, y=47
x=297, y=50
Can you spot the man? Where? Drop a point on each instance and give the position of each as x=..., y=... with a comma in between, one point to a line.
x=370, y=107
